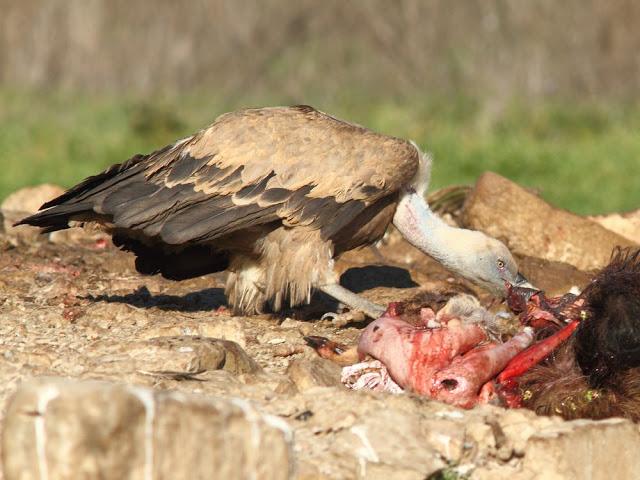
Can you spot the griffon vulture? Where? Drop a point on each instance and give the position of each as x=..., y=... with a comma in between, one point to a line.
x=273, y=195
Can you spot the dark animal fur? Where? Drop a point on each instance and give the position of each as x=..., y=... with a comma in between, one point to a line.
x=596, y=374
x=608, y=341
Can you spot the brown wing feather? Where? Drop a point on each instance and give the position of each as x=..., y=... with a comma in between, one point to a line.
x=302, y=146
x=251, y=167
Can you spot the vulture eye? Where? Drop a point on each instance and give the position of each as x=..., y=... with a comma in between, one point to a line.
x=500, y=264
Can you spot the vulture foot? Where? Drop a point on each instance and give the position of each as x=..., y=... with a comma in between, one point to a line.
x=342, y=319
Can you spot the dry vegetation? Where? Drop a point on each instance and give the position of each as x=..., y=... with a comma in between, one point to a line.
x=493, y=49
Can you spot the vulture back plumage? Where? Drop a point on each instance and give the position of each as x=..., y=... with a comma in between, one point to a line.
x=247, y=193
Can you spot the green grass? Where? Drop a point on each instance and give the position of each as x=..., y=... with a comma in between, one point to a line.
x=585, y=158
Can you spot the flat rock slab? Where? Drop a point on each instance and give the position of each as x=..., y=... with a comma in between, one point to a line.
x=626, y=224
x=188, y=355
x=68, y=429
x=530, y=226
x=72, y=430
x=572, y=450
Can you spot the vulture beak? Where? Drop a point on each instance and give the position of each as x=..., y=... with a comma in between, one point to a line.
x=521, y=281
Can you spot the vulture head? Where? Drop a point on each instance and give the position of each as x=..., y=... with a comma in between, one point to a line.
x=474, y=255
x=488, y=263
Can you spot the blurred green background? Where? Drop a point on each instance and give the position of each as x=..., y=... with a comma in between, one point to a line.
x=545, y=93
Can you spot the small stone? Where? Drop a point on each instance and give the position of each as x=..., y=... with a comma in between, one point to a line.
x=288, y=350
x=316, y=372
x=306, y=329
x=272, y=337
x=290, y=323
x=188, y=354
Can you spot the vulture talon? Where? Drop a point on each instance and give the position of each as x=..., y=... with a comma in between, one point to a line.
x=342, y=319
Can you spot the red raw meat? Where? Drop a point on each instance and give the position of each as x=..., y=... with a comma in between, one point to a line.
x=446, y=363
x=461, y=382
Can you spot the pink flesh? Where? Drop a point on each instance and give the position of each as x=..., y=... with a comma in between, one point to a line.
x=413, y=355
x=535, y=354
x=460, y=383
x=436, y=349
x=487, y=393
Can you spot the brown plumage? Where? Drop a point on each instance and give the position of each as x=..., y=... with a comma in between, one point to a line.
x=271, y=194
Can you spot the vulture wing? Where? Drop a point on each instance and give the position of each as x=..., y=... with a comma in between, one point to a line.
x=295, y=165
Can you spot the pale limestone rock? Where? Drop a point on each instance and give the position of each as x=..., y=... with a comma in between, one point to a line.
x=28, y=200
x=68, y=430
x=549, y=448
x=22, y=203
x=190, y=354
x=625, y=224
x=178, y=358
x=225, y=328
x=314, y=372
x=584, y=449
x=530, y=226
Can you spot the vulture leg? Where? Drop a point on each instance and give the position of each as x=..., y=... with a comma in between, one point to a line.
x=353, y=301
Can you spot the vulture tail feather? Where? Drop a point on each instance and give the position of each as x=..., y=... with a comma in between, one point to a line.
x=57, y=217
x=98, y=183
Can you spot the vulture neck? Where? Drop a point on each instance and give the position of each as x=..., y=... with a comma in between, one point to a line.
x=453, y=247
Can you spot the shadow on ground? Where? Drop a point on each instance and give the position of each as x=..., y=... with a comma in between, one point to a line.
x=359, y=279
x=204, y=300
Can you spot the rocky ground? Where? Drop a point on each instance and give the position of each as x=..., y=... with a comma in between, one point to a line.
x=108, y=374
